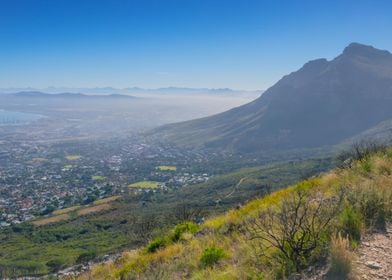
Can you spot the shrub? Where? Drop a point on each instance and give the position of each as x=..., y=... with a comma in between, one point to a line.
x=156, y=244
x=372, y=207
x=297, y=229
x=351, y=224
x=55, y=265
x=366, y=165
x=182, y=228
x=340, y=258
x=211, y=256
x=87, y=256
x=362, y=150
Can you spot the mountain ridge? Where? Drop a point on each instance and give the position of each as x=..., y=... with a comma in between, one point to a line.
x=39, y=94
x=321, y=104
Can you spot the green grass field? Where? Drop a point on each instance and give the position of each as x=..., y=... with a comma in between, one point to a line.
x=98, y=178
x=69, y=166
x=145, y=185
x=167, y=168
x=73, y=157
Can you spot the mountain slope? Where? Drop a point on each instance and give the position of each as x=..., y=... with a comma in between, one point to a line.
x=322, y=103
x=240, y=244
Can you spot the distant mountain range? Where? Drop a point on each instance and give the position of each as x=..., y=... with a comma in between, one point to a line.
x=323, y=103
x=68, y=95
x=140, y=91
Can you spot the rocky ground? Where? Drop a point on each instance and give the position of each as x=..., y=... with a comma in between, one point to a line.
x=373, y=260
x=375, y=256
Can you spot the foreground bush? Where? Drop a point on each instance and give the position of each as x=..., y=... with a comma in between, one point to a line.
x=340, y=259
x=180, y=229
x=372, y=204
x=156, y=244
x=351, y=224
x=211, y=256
x=297, y=229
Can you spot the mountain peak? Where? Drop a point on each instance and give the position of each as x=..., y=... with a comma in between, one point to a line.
x=357, y=49
x=323, y=103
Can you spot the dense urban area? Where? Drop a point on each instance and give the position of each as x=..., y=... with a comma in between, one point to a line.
x=36, y=180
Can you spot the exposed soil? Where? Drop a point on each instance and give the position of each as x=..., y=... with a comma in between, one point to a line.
x=375, y=256
x=373, y=260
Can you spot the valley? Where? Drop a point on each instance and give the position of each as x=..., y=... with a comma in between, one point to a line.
x=195, y=140
x=85, y=177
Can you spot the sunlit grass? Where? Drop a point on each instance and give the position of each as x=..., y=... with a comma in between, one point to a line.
x=167, y=168
x=98, y=178
x=51, y=220
x=73, y=157
x=93, y=209
x=145, y=185
x=66, y=210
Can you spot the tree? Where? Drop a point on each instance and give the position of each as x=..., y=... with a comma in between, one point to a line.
x=86, y=257
x=183, y=213
x=55, y=265
x=145, y=226
x=294, y=229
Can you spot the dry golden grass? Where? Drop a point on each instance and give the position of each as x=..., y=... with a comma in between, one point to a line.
x=106, y=200
x=50, y=220
x=383, y=166
x=93, y=209
x=66, y=210
x=341, y=258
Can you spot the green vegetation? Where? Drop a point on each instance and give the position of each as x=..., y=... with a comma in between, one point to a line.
x=351, y=224
x=73, y=157
x=145, y=185
x=98, y=178
x=134, y=220
x=86, y=256
x=187, y=227
x=156, y=244
x=69, y=166
x=211, y=256
x=167, y=168
x=277, y=235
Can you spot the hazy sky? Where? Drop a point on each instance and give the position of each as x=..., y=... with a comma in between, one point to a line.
x=241, y=44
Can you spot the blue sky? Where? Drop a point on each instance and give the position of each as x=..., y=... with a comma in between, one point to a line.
x=242, y=44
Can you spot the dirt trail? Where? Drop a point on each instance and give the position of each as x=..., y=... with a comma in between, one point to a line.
x=375, y=256
x=373, y=260
x=235, y=188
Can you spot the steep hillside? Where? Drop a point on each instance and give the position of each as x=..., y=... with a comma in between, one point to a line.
x=40, y=247
x=311, y=229
x=323, y=103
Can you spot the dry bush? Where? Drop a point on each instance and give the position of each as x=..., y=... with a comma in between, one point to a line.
x=340, y=258
x=295, y=230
